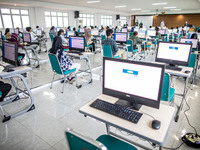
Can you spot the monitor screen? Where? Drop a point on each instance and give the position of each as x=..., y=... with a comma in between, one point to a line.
x=94, y=32
x=0, y=34
x=82, y=30
x=39, y=32
x=169, y=30
x=10, y=52
x=27, y=37
x=141, y=35
x=174, y=53
x=57, y=29
x=69, y=33
x=139, y=83
x=77, y=43
x=194, y=42
x=120, y=37
x=151, y=32
x=162, y=31
x=124, y=30
x=16, y=31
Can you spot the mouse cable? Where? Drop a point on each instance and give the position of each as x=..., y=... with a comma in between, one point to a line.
x=148, y=115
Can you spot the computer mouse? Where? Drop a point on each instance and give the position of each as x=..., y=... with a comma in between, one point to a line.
x=156, y=124
x=187, y=71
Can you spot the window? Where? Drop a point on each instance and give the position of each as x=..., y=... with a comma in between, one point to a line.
x=87, y=19
x=57, y=19
x=106, y=20
x=122, y=20
x=12, y=18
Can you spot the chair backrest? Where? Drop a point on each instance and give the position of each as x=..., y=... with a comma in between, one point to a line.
x=0, y=93
x=130, y=48
x=51, y=37
x=55, y=64
x=3, y=37
x=78, y=142
x=166, y=88
x=103, y=37
x=107, y=52
x=131, y=33
x=86, y=42
x=192, y=61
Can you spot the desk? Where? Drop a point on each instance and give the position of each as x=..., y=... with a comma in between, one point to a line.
x=10, y=75
x=186, y=77
x=84, y=56
x=142, y=129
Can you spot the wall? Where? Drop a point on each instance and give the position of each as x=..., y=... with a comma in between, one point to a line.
x=177, y=20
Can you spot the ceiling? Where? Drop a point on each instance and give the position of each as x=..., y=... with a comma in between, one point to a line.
x=105, y=6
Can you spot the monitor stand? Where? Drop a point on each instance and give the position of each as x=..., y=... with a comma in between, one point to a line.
x=128, y=104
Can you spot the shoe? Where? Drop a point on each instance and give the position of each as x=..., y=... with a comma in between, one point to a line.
x=71, y=80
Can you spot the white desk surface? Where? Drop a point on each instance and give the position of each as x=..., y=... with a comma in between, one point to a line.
x=143, y=128
x=84, y=54
x=182, y=72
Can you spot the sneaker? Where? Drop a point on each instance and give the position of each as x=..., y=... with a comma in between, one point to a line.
x=71, y=80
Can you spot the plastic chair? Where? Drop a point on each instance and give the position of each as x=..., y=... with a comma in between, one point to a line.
x=167, y=91
x=107, y=52
x=51, y=37
x=130, y=48
x=87, y=46
x=103, y=37
x=130, y=34
x=55, y=64
x=192, y=63
x=76, y=141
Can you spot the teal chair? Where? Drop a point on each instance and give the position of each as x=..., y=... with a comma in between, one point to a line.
x=107, y=52
x=167, y=91
x=130, y=48
x=3, y=37
x=51, y=37
x=103, y=37
x=192, y=63
x=75, y=141
x=87, y=46
x=55, y=64
x=130, y=34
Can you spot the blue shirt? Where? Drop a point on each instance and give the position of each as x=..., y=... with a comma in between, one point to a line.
x=112, y=43
x=65, y=62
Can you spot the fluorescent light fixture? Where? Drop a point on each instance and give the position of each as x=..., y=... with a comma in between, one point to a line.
x=134, y=9
x=160, y=3
x=175, y=9
x=120, y=6
x=169, y=7
x=90, y=2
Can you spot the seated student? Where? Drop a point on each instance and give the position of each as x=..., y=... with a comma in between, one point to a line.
x=113, y=44
x=89, y=38
x=53, y=31
x=37, y=27
x=68, y=28
x=194, y=36
x=33, y=36
x=104, y=32
x=135, y=40
x=64, y=41
x=158, y=33
x=4, y=88
x=14, y=38
x=65, y=62
x=7, y=34
x=75, y=32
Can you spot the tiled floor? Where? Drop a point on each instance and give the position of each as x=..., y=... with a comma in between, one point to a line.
x=43, y=128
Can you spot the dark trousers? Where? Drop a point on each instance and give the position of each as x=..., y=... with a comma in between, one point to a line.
x=4, y=88
x=93, y=46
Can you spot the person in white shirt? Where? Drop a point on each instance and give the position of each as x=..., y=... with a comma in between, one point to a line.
x=104, y=32
x=33, y=37
x=61, y=34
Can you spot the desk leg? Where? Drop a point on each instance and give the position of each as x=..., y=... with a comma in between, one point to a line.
x=29, y=108
x=107, y=129
x=181, y=105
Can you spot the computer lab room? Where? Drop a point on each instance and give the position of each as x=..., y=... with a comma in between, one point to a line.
x=99, y=75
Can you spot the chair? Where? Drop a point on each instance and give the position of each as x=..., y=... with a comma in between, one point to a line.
x=55, y=64
x=167, y=91
x=103, y=37
x=104, y=142
x=107, y=52
x=130, y=48
x=51, y=37
x=192, y=63
x=88, y=46
x=130, y=34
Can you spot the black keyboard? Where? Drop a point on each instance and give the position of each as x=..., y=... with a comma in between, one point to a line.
x=74, y=51
x=117, y=110
x=173, y=68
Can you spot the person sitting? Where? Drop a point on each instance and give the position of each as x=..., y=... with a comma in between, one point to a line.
x=104, y=32
x=89, y=38
x=5, y=89
x=109, y=41
x=7, y=34
x=158, y=33
x=14, y=38
x=33, y=36
x=53, y=31
x=65, y=62
x=75, y=32
x=135, y=40
x=64, y=41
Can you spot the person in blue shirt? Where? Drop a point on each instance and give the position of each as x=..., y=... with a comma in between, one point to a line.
x=109, y=41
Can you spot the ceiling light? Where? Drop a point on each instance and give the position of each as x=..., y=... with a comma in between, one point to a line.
x=120, y=6
x=175, y=9
x=136, y=9
x=169, y=7
x=90, y=2
x=159, y=3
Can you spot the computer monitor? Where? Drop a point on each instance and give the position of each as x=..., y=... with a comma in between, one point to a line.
x=124, y=30
x=81, y=30
x=39, y=32
x=0, y=34
x=170, y=31
x=194, y=42
x=120, y=37
x=26, y=37
x=77, y=43
x=141, y=35
x=136, y=29
x=133, y=81
x=10, y=52
x=94, y=32
x=57, y=29
x=162, y=31
x=151, y=33
x=16, y=31
x=69, y=33
x=174, y=53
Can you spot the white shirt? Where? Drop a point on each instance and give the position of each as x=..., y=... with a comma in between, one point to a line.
x=103, y=33
x=63, y=39
x=33, y=38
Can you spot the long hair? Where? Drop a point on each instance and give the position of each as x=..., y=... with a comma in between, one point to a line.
x=88, y=34
x=57, y=45
x=7, y=30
